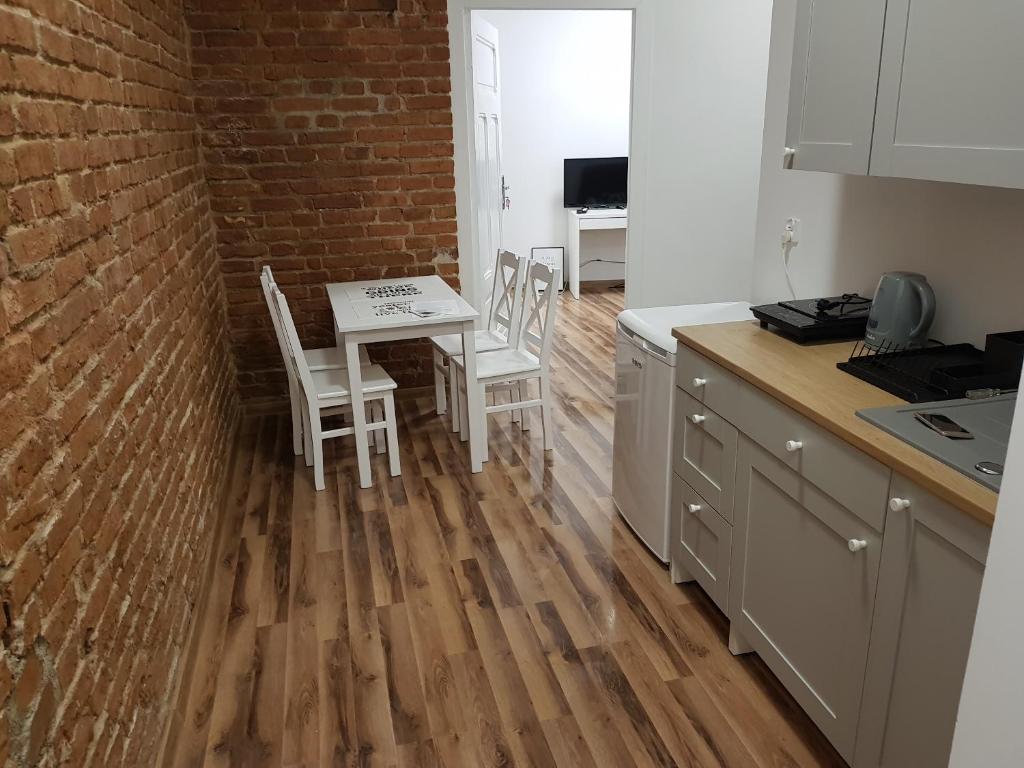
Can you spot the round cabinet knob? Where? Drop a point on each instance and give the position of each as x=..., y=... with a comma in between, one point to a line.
x=694, y=508
x=699, y=382
x=793, y=445
x=856, y=545
x=698, y=419
x=898, y=505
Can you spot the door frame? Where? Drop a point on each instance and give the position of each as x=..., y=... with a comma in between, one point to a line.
x=464, y=127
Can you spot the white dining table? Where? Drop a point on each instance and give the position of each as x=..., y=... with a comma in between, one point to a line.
x=370, y=311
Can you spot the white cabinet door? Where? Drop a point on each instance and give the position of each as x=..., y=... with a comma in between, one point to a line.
x=950, y=93
x=800, y=594
x=833, y=85
x=933, y=560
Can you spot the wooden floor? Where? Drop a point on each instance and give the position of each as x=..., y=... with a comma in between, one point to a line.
x=449, y=619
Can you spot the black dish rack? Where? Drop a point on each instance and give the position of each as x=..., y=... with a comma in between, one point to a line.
x=943, y=372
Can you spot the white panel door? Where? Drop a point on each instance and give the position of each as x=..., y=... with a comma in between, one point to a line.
x=833, y=86
x=489, y=195
x=950, y=93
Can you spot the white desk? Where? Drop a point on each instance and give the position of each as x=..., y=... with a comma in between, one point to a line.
x=366, y=312
x=595, y=218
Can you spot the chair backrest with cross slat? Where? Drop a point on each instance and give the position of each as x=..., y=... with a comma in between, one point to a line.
x=269, y=285
x=506, y=296
x=296, y=357
x=540, y=300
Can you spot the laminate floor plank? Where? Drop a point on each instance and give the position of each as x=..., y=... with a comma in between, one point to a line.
x=443, y=619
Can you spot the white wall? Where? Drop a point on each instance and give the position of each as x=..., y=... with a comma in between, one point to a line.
x=988, y=730
x=969, y=241
x=565, y=84
x=692, y=218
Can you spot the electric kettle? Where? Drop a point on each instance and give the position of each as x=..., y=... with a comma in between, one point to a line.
x=901, y=312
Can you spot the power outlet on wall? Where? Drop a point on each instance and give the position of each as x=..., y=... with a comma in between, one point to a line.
x=791, y=231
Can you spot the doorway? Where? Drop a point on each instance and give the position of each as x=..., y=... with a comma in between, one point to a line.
x=542, y=87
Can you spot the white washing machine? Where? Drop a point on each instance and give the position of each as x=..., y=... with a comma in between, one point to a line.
x=645, y=361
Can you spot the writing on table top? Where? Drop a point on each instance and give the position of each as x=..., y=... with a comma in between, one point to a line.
x=384, y=291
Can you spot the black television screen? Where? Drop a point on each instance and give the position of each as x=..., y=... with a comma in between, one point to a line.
x=595, y=182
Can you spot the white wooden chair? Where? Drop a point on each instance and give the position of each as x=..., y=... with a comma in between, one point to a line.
x=502, y=325
x=324, y=391
x=527, y=360
x=326, y=359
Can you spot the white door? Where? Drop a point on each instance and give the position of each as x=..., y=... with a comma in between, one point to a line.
x=489, y=195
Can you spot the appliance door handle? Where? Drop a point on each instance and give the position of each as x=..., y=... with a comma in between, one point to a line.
x=629, y=334
x=927, y=300
x=655, y=351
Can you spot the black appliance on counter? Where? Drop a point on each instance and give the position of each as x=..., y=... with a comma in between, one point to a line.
x=835, y=318
x=941, y=372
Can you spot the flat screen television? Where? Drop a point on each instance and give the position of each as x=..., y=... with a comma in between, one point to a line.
x=595, y=182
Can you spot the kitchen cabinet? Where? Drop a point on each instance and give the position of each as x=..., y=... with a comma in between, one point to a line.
x=863, y=607
x=802, y=595
x=909, y=88
x=833, y=84
x=950, y=102
x=933, y=560
x=701, y=543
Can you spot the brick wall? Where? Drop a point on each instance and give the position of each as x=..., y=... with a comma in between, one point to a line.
x=117, y=399
x=326, y=132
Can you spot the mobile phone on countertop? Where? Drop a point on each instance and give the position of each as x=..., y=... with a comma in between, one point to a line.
x=944, y=425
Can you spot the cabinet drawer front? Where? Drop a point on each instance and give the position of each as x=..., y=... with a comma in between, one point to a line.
x=800, y=595
x=702, y=545
x=705, y=381
x=849, y=476
x=704, y=452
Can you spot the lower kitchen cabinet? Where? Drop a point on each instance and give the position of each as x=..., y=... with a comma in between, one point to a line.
x=802, y=595
x=701, y=543
x=932, y=565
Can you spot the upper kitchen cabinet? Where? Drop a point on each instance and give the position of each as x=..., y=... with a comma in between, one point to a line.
x=940, y=99
x=950, y=95
x=833, y=86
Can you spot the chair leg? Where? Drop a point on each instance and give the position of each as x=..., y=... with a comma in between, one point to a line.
x=545, y=413
x=378, y=415
x=371, y=436
x=513, y=396
x=464, y=423
x=307, y=438
x=482, y=416
x=440, y=400
x=318, y=452
x=394, y=460
x=293, y=397
x=523, y=393
x=453, y=383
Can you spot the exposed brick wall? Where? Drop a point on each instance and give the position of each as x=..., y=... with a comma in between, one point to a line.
x=117, y=398
x=326, y=131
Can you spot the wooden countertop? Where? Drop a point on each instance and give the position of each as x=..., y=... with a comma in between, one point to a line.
x=806, y=379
